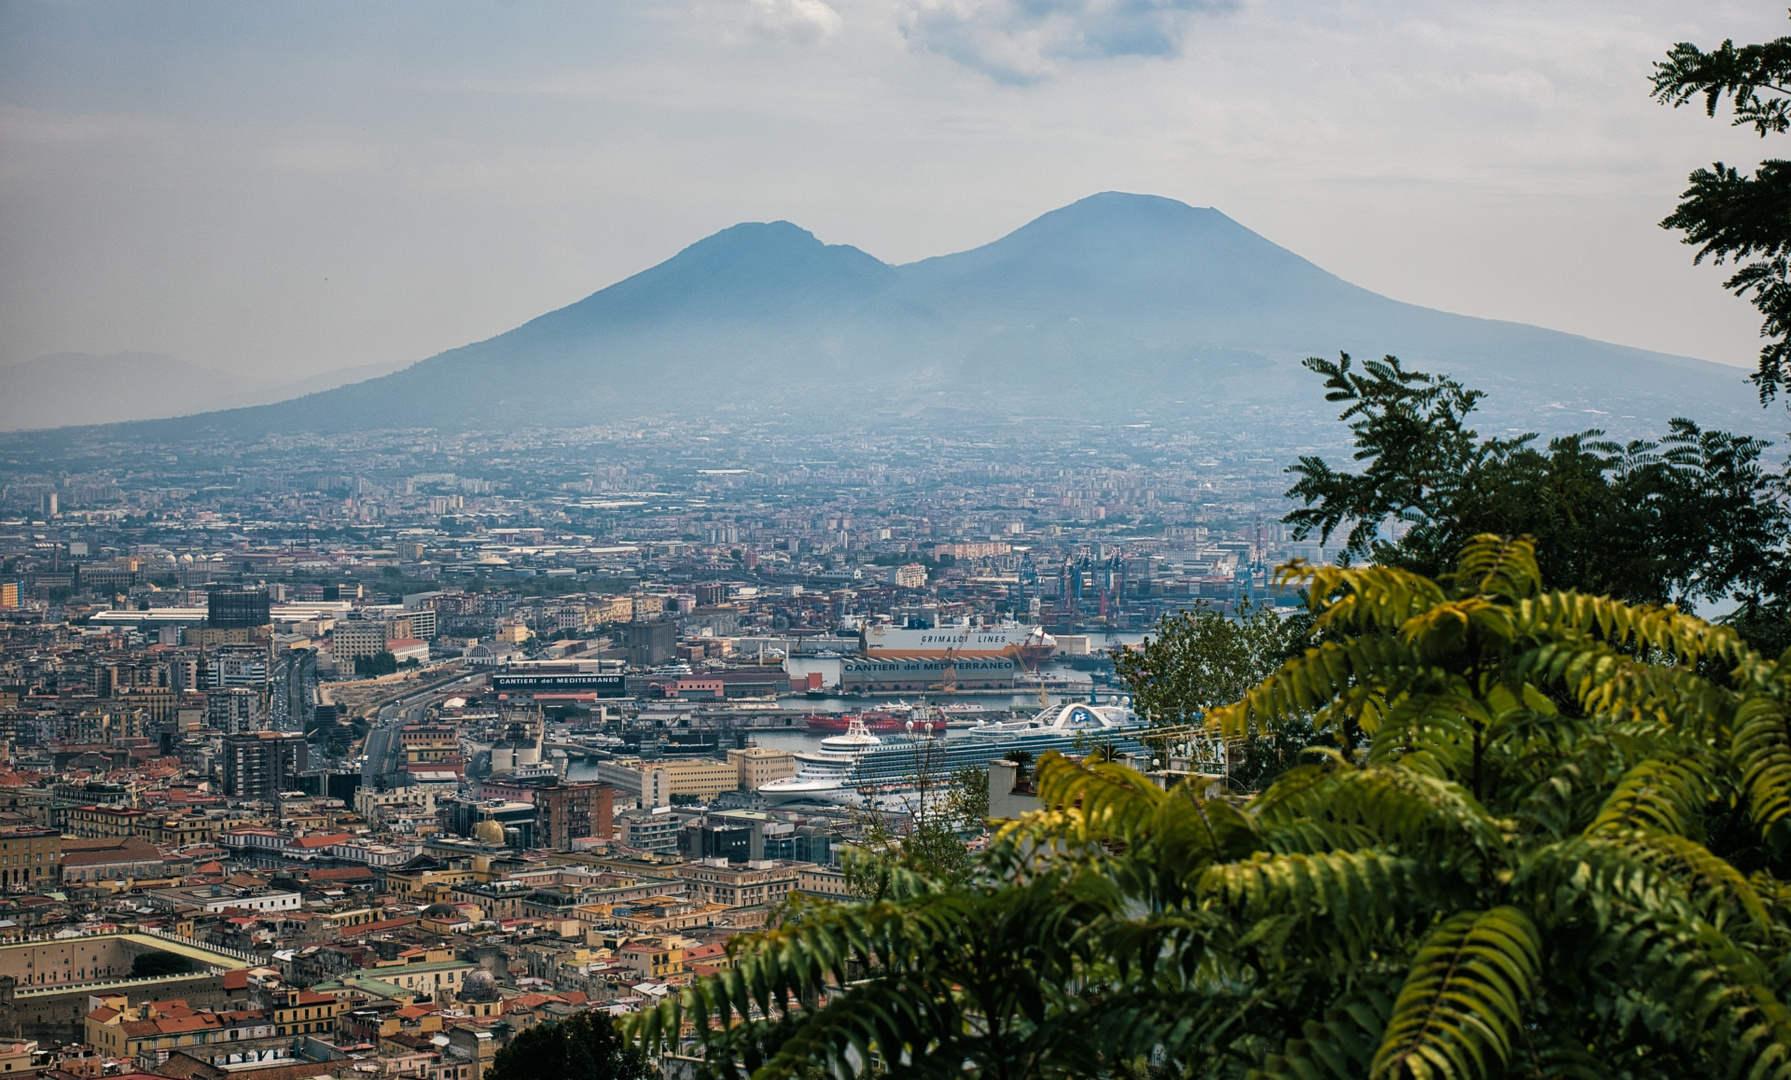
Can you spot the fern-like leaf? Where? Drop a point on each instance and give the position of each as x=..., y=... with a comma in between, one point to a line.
x=1463, y=1000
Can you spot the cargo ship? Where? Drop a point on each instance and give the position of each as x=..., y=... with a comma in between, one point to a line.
x=1030, y=642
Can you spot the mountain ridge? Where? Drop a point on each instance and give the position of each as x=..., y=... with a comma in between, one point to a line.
x=1114, y=303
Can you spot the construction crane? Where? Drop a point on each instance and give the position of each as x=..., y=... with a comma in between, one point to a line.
x=948, y=678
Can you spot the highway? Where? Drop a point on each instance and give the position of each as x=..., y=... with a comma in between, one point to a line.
x=384, y=752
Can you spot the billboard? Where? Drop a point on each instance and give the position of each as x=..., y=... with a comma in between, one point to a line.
x=577, y=682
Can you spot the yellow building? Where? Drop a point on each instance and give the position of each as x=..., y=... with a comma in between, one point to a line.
x=30, y=856
x=16, y=1054
x=425, y=886
x=302, y=1012
x=703, y=778
x=759, y=765
x=828, y=881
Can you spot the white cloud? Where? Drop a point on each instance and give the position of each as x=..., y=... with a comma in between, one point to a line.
x=1020, y=41
x=802, y=21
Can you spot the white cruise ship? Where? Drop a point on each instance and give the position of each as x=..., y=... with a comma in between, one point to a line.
x=826, y=775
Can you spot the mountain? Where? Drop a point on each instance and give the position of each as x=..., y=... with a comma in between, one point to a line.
x=1117, y=305
x=80, y=388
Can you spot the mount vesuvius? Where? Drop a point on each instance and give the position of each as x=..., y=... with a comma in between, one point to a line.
x=1116, y=305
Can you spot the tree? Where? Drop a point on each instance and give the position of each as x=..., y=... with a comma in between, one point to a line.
x=926, y=836
x=1200, y=659
x=380, y=663
x=1694, y=517
x=1729, y=216
x=967, y=799
x=155, y=965
x=1545, y=843
x=582, y=1047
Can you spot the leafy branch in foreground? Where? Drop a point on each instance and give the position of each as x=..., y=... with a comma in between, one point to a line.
x=1729, y=216
x=1550, y=845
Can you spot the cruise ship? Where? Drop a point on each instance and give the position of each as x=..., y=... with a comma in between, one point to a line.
x=875, y=771
x=826, y=775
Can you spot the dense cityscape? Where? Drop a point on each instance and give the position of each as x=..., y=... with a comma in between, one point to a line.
x=915, y=540
x=443, y=737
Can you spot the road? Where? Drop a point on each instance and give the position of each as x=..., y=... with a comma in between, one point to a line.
x=384, y=752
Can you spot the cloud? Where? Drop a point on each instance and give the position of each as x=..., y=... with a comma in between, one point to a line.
x=802, y=21
x=1021, y=41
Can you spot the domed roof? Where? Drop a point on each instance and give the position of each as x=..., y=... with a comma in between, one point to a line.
x=440, y=909
x=489, y=832
x=478, y=986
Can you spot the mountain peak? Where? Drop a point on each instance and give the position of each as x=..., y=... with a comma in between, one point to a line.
x=1107, y=305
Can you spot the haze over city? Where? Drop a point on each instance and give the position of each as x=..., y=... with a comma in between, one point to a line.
x=825, y=539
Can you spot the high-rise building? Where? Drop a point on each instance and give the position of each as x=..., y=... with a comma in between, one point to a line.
x=235, y=710
x=650, y=644
x=234, y=609
x=262, y=764
x=237, y=665
x=354, y=638
x=567, y=812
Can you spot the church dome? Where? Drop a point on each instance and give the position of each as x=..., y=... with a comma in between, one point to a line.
x=489, y=832
x=478, y=986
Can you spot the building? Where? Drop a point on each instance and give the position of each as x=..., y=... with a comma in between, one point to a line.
x=649, y=830
x=114, y=858
x=759, y=765
x=699, y=778
x=30, y=856
x=234, y=710
x=153, y=1030
x=428, y=743
x=422, y=623
x=909, y=576
x=234, y=609
x=408, y=648
x=262, y=764
x=237, y=665
x=302, y=1012
x=353, y=639
x=827, y=881
x=652, y=959
x=650, y=644
x=568, y=812
x=718, y=881
x=376, y=805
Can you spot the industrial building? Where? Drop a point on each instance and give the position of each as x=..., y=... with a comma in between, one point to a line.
x=895, y=673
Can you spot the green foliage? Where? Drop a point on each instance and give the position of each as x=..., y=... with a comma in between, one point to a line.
x=156, y=965
x=1729, y=216
x=1542, y=843
x=380, y=663
x=1200, y=658
x=1692, y=517
x=582, y=1047
x=967, y=798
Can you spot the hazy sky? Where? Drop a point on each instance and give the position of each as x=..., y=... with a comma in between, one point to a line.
x=297, y=187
